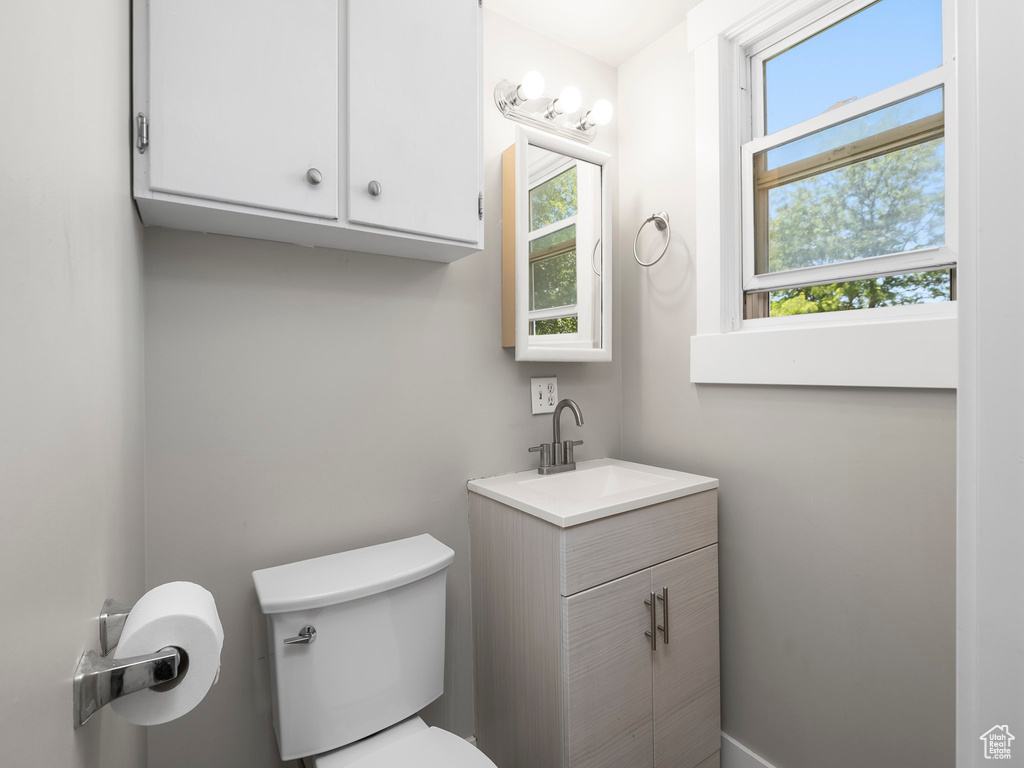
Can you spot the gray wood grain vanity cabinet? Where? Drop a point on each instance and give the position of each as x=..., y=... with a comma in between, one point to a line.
x=565, y=675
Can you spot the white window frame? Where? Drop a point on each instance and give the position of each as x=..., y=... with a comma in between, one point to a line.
x=866, y=347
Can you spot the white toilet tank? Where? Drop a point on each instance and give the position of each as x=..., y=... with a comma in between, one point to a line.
x=377, y=656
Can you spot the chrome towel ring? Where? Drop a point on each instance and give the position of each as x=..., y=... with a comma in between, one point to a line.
x=660, y=220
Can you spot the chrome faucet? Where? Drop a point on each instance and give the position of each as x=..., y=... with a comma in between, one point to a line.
x=557, y=456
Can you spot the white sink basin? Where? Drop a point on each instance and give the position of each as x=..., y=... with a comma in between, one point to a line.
x=595, y=489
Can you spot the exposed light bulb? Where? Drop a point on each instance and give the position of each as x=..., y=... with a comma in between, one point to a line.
x=569, y=99
x=532, y=86
x=601, y=112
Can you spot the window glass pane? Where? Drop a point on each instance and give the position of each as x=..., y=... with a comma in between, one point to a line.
x=881, y=46
x=897, y=290
x=840, y=137
x=887, y=204
x=558, y=325
x=553, y=200
x=553, y=270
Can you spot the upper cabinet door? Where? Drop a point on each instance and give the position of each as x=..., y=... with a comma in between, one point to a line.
x=687, y=705
x=414, y=102
x=608, y=675
x=243, y=102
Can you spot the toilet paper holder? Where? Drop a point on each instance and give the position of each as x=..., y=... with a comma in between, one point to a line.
x=100, y=679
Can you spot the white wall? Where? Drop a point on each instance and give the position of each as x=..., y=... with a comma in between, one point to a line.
x=837, y=506
x=990, y=555
x=71, y=440
x=302, y=402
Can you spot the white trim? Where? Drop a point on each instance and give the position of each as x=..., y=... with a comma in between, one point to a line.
x=745, y=20
x=735, y=755
x=719, y=299
x=723, y=33
x=968, y=440
x=853, y=355
x=990, y=411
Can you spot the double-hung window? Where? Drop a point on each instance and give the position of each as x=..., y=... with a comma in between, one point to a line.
x=845, y=175
x=837, y=175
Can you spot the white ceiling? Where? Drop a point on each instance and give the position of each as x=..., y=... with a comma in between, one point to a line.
x=610, y=30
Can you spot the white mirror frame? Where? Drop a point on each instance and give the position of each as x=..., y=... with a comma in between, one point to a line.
x=526, y=137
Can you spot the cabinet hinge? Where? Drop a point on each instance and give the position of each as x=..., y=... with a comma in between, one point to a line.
x=480, y=206
x=142, y=140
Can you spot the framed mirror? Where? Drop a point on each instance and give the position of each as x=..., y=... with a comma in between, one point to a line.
x=556, y=250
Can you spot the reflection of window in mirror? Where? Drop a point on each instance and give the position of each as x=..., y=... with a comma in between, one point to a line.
x=564, y=289
x=552, y=245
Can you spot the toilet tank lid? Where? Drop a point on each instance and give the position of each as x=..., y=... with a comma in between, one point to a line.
x=334, y=579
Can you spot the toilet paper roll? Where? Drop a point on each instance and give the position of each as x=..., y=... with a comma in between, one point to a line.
x=179, y=614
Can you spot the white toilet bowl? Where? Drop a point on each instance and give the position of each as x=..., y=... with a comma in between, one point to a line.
x=406, y=745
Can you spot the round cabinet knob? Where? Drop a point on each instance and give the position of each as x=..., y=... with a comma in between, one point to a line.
x=374, y=188
x=313, y=176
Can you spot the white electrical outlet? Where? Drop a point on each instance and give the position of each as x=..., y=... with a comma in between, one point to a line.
x=544, y=394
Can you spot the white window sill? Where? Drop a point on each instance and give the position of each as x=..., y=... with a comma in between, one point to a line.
x=918, y=352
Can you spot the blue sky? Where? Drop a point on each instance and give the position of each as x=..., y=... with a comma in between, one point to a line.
x=883, y=45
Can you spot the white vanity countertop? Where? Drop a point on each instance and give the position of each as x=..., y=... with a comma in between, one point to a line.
x=596, y=488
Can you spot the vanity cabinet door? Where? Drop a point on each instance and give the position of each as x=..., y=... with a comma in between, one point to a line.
x=243, y=102
x=607, y=669
x=687, y=727
x=414, y=110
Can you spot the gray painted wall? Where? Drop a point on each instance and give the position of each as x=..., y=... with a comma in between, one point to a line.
x=71, y=438
x=837, y=506
x=300, y=402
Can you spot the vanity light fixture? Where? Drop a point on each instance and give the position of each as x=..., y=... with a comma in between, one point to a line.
x=511, y=100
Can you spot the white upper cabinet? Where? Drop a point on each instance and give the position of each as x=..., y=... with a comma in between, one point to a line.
x=243, y=95
x=271, y=118
x=408, y=131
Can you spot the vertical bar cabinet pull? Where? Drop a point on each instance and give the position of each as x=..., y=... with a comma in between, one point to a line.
x=664, y=599
x=652, y=633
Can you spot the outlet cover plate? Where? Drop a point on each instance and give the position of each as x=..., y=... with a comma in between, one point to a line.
x=544, y=394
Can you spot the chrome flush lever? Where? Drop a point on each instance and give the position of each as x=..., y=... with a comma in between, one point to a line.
x=306, y=636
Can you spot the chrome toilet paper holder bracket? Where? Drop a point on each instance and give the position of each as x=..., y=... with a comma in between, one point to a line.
x=100, y=679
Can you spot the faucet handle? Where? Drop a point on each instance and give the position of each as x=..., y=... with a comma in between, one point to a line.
x=567, y=447
x=545, y=453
